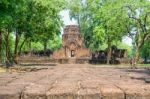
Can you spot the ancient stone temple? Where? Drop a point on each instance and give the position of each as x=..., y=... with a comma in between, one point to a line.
x=72, y=45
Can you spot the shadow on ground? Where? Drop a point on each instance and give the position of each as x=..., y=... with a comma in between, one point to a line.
x=145, y=74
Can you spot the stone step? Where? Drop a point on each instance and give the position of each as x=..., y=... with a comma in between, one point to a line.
x=72, y=61
x=71, y=91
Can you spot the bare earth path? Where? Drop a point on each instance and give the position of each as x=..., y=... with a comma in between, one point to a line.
x=76, y=82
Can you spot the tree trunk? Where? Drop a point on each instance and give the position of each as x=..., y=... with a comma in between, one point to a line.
x=22, y=45
x=109, y=53
x=30, y=48
x=15, y=58
x=136, y=56
x=45, y=46
x=138, y=45
x=0, y=45
x=135, y=59
x=145, y=59
x=7, y=49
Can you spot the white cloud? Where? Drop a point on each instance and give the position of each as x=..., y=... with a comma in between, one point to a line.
x=66, y=18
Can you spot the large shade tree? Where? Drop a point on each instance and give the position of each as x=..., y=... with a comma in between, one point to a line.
x=111, y=26
x=138, y=12
x=27, y=19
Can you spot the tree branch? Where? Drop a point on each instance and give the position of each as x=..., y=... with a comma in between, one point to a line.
x=145, y=21
x=146, y=36
x=131, y=16
x=129, y=32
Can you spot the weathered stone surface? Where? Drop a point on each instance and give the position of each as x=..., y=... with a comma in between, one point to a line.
x=136, y=91
x=62, y=91
x=76, y=82
x=6, y=78
x=89, y=94
x=111, y=92
x=38, y=89
x=35, y=91
x=10, y=92
x=4, y=81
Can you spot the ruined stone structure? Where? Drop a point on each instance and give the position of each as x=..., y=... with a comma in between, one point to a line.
x=117, y=56
x=72, y=45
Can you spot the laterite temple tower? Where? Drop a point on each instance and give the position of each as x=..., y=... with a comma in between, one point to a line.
x=72, y=45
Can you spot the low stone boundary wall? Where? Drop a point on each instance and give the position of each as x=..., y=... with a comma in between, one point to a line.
x=49, y=60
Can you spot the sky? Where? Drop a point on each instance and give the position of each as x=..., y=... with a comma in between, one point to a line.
x=67, y=21
x=66, y=18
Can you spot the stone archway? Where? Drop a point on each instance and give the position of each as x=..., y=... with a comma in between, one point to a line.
x=72, y=49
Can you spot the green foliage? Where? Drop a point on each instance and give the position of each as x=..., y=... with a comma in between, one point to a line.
x=106, y=21
x=145, y=51
x=139, y=27
x=55, y=44
x=37, y=46
x=97, y=20
x=121, y=45
x=29, y=21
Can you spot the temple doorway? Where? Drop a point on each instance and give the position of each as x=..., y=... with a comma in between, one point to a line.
x=72, y=53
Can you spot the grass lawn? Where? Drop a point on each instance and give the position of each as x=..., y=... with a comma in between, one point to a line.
x=2, y=70
x=143, y=65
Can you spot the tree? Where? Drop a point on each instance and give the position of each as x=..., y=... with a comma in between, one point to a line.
x=19, y=18
x=27, y=19
x=41, y=21
x=138, y=12
x=51, y=20
x=5, y=28
x=145, y=51
x=111, y=26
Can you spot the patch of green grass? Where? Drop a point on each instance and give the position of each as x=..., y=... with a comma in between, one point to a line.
x=143, y=65
x=2, y=70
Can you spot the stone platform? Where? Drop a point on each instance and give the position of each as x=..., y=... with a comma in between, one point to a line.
x=76, y=82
